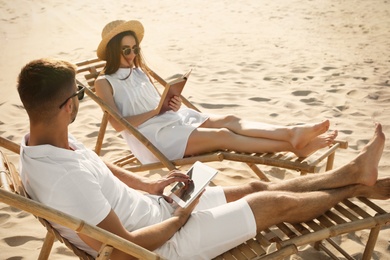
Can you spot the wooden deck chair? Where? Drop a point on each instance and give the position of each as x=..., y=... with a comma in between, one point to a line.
x=13, y=193
x=276, y=242
x=90, y=69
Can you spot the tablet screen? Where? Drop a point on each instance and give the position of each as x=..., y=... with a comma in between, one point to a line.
x=200, y=176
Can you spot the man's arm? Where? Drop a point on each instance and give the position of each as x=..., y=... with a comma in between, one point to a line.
x=130, y=179
x=144, y=184
x=151, y=237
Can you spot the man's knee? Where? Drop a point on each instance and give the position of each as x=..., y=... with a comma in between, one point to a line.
x=274, y=204
x=258, y=185
x=286, y=202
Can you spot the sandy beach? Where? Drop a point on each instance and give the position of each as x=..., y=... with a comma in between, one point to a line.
x=282, y=62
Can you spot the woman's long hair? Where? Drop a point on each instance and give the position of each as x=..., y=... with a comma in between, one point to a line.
x=114, y=52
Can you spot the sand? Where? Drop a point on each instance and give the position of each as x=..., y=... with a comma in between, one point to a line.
x=281, y=62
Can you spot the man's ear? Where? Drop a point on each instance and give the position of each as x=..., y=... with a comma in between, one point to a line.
x=69, y=105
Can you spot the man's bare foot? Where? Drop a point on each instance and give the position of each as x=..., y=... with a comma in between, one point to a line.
x=316, y=144
x=379, y=191
x=302, y=135
x=368, y=159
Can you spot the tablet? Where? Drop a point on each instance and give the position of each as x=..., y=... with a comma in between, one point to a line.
x=200, y=175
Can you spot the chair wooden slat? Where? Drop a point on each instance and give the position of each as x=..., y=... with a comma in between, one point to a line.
x=256, y=247
x=325, y=221
x=355, y=208
x=372, y=205
x=345, y=212
x=336, y=218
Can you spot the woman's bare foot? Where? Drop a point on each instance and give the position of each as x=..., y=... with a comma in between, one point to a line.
x=379, y=191
x=316, y=144
x=302, y=135
x=368, y=159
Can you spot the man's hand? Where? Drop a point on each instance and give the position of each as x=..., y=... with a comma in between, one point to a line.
x=175, y=103
x=157, y=187
x=183, y=214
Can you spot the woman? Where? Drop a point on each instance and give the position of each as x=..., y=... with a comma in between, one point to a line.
x=127, y=88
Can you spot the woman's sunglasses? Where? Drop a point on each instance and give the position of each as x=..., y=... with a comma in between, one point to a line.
x=127, y=50
x=79, y=94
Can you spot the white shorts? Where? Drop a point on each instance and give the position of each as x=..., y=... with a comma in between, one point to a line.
x=213, y=228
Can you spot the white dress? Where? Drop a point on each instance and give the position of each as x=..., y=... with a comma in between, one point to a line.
x=169, y=132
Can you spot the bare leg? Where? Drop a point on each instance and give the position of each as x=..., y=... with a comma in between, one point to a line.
x=210, y=139
x=294, y=207
x=362, y=170
x=298, y=136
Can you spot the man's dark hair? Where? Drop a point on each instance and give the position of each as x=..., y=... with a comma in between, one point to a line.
x=43, y=85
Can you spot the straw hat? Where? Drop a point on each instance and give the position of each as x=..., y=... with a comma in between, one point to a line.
x=114, y=28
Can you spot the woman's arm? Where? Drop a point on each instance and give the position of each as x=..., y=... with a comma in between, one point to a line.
x=105, y=92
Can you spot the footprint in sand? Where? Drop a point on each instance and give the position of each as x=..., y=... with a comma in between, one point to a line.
x=362, y=78
x=22, y=214
x=19, y=106
x=312, y=102
x=259, y=99
x=357, y=114
x=302, y=93
x=308, y=77
x=373, y=96
x=216, y=106
x=342, y=108
x=4, y=218
x=329, y=68
x=347, y=132
x=269, y=78
x=20, y=240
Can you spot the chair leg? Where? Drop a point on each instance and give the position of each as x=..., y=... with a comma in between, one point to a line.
x=104, y=252
x=258, y=172
x=46, y=247
x=303, y=173
x=330, y=161
x=319, y=246
x=371, y=243
x=337, y=247
x=102, y=131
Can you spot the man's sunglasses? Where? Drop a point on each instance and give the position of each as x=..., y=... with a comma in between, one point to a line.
x=79, y=94
x=127, y=50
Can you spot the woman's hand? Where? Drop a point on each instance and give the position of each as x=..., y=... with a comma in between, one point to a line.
x=157, y=187
x=175, y=103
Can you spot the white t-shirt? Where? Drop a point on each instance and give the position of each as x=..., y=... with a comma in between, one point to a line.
x=91, y=189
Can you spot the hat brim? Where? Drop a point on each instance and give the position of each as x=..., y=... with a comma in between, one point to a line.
x=132, y=25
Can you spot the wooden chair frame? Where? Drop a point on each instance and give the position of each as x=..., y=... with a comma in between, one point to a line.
x=90, y=70
x=276, y=242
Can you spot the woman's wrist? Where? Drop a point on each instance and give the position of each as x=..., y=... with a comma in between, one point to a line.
x=154, y=112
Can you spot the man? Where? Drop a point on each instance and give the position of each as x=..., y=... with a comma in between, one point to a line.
x=60, y=172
